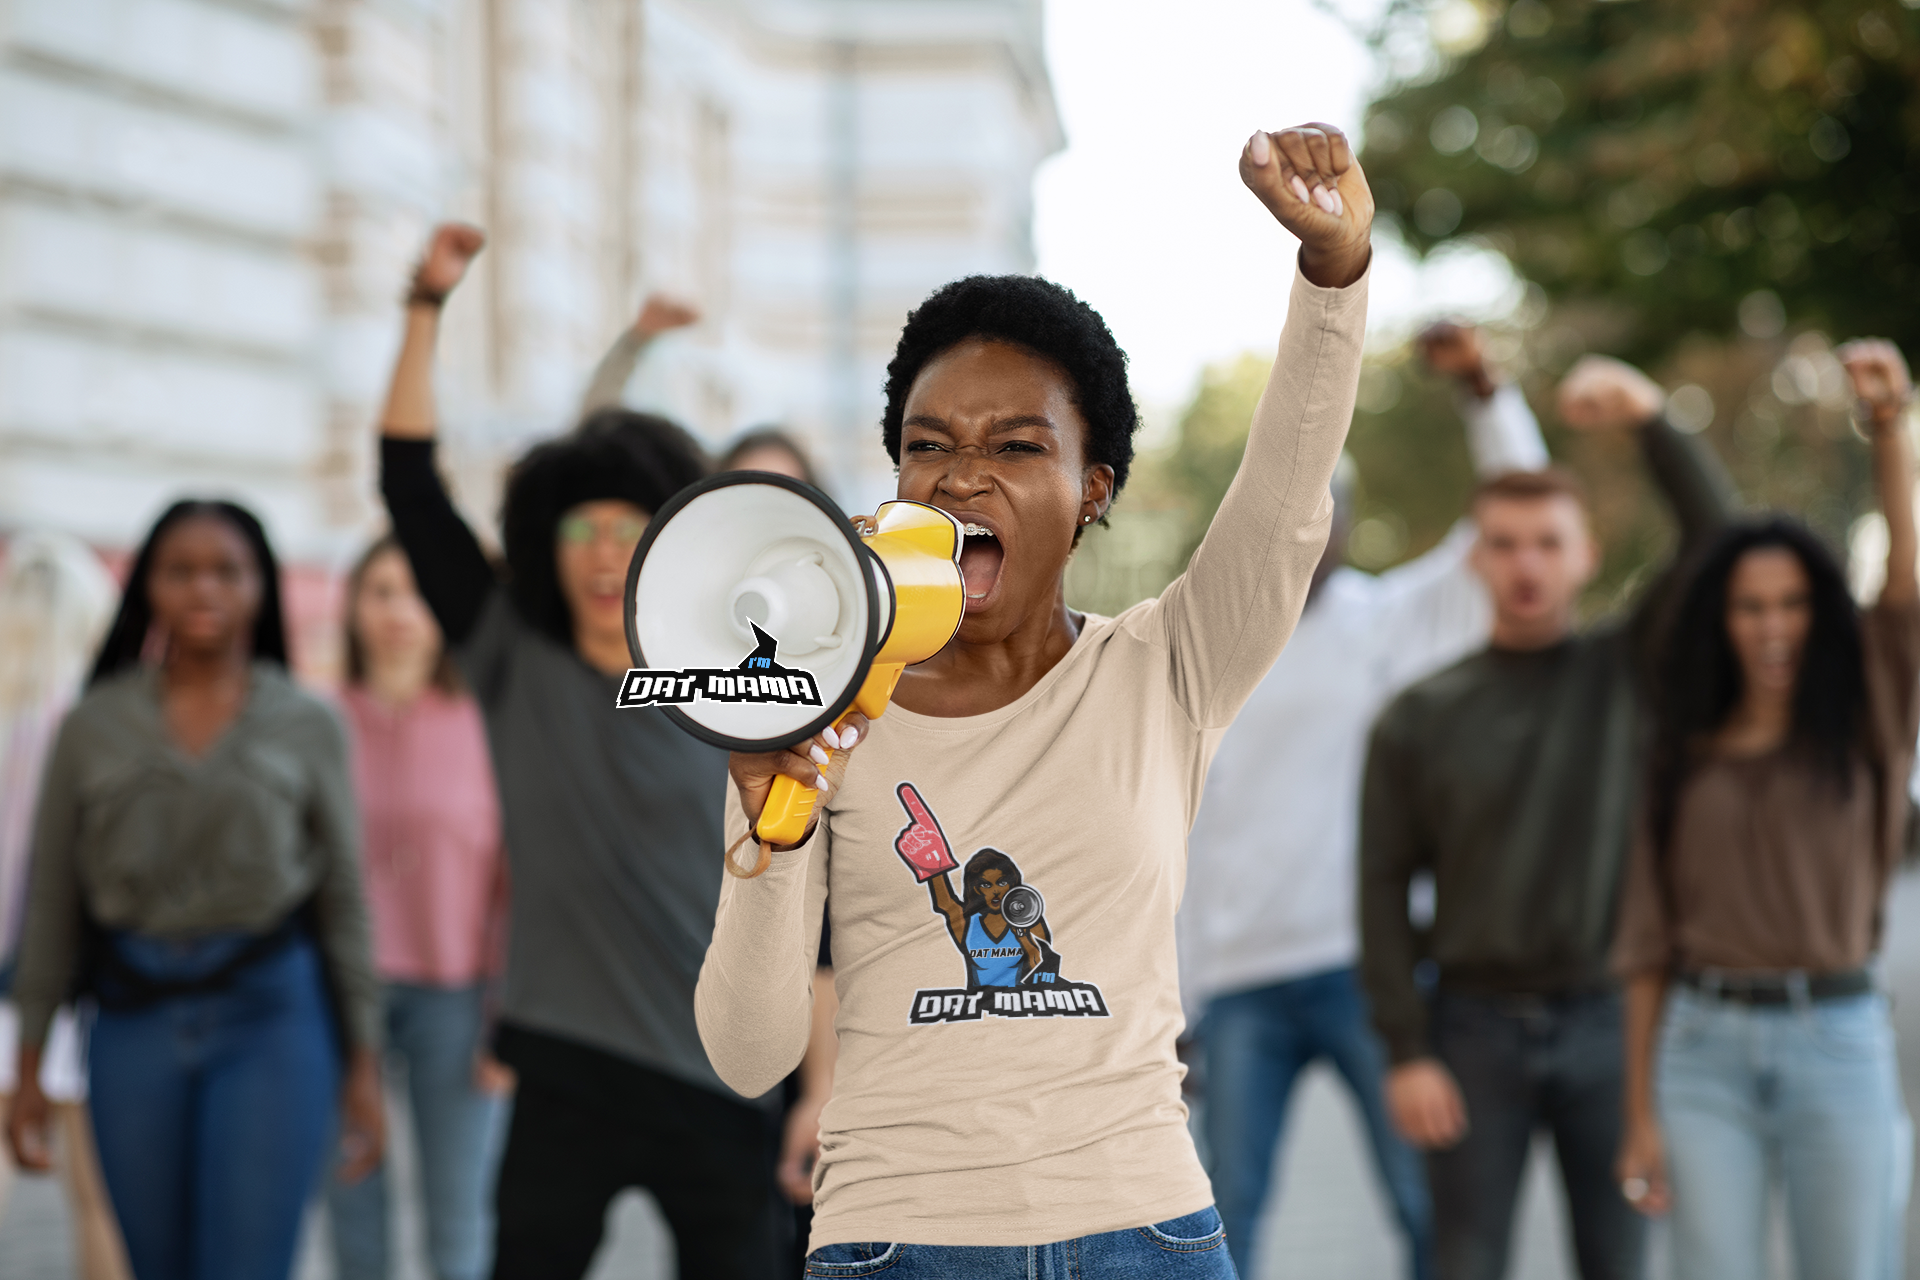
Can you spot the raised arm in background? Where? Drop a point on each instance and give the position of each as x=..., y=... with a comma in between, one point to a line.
x=1436, y=604
x=658, y=314
x=1502, y=433
x=1883, y=388
x=1604, y=394
x=454, y=575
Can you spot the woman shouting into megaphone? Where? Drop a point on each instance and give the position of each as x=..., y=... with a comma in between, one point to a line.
x=982, y=1118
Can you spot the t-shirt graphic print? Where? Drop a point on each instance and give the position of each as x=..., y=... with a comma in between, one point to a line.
x=999, y=925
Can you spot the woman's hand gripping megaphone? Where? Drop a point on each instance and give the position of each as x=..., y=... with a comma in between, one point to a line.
x=819, y=762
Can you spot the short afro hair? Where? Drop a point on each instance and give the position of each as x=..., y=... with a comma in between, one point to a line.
x=615, y=454
x=1041, y=317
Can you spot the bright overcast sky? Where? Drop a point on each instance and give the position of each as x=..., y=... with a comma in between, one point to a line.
x=1144, y=216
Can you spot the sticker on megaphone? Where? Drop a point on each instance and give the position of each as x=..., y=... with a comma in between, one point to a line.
x=758, y=678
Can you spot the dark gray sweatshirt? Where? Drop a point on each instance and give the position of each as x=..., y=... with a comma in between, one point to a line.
x=1510, y=777
x=612, y=818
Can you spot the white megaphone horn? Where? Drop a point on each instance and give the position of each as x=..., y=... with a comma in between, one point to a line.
x=759, y=614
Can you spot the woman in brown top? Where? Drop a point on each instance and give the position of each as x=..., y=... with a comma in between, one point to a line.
x=1785, y=723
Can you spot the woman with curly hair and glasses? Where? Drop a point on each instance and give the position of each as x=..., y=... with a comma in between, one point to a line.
x=1785, y=720
x=610, y=820
x=986, y=1130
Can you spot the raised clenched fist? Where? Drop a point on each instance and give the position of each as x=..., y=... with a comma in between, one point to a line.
x=921, y=844
x=1879, y=376
x=1452, y=348
x=450, y=252
x=1604, y=394
x=1308, y=179
x=661, y=313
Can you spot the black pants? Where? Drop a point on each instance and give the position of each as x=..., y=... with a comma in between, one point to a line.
x=1525, y=1063
x=587, y=1125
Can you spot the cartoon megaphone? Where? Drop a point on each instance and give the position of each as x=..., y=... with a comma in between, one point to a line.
x=758, y=614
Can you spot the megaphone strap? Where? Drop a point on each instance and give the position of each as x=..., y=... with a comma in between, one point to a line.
x=759, y=868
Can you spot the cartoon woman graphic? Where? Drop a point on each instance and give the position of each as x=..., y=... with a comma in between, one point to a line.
x=998, y=952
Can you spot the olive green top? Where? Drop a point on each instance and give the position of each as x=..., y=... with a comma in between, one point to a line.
x=144, y=838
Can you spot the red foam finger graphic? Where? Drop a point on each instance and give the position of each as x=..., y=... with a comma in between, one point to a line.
x=921, y=844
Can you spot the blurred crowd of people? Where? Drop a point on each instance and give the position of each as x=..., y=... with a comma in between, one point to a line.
x=1619, y=883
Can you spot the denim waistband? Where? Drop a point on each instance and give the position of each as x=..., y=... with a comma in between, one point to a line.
x=177, y=959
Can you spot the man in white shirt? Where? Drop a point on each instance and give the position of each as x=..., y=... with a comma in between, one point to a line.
x=1268, y=929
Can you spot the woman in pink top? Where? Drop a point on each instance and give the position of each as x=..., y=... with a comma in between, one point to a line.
x=436, y=891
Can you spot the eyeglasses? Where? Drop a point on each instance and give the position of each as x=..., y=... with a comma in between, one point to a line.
x=619, y=530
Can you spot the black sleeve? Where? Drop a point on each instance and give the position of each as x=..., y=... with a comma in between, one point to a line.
x=1702, y=497
x=1392, y=847
x=453, y=573
x=1691, y=479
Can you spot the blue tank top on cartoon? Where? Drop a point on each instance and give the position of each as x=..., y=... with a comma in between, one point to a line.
x=993, y=964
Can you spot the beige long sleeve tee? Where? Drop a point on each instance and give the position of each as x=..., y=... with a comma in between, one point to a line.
x=1005, y=1080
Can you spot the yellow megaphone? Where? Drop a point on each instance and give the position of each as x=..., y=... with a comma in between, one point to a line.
x=758, y=614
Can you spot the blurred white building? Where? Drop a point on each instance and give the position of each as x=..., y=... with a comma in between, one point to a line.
x=209, y=208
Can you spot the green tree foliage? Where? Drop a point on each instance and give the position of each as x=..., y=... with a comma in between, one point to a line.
x=1709, y=188
x=1668, y=161
x=1713, y=189
x=1415, y=478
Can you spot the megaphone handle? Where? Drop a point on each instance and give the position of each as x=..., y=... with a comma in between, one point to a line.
x=790, y=804
x=789, y=810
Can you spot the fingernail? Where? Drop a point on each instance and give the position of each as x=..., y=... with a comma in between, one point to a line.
x=1339, y=205
x=833, y=739
x=1300, y=189
x=848, y=739
x=1259, y=149
x=1322, y=200
x=819, y=756
x=820, y=783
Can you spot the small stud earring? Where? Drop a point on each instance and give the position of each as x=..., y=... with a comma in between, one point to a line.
x=1086, y=519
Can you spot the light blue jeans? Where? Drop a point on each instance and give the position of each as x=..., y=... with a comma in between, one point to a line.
x=434, y=1033
x=1189, y=1248
x=1808, y=1093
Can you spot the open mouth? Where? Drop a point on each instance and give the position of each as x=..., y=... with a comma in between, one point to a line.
x=605, y=593
x=981, y=557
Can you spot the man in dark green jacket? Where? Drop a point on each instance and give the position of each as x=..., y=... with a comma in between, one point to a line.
x=1509, y=780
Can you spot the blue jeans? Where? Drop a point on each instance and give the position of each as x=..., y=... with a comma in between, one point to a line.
x=1189, y=1248
x=1525, y=1063
x=1257, y=1043
x=214, y=1111
x=435, y=1032
x=1810, y=1091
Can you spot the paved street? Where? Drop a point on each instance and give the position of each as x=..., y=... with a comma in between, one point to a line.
x=1332, y=1223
